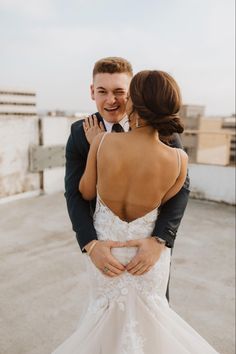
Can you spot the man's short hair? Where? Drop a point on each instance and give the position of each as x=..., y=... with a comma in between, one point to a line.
x=112, y=65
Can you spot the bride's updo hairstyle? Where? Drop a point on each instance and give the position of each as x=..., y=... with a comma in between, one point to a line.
x=156, y=98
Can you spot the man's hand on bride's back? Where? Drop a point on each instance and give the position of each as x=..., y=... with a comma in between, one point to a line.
x=149, y=252
x=103, y=259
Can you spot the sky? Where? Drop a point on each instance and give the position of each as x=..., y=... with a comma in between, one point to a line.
x=50, y=46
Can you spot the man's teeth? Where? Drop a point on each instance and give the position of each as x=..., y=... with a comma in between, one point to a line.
x=111, y=109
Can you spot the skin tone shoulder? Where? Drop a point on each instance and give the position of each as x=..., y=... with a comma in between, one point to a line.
x=121, y=186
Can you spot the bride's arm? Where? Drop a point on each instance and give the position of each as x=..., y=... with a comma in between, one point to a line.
x=180, y=180
x=88, y=182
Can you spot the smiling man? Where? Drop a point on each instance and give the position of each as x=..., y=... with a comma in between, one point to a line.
x=110, y=93
x=109, y=89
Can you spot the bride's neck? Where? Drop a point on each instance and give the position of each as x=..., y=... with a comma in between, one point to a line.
x=144, y=129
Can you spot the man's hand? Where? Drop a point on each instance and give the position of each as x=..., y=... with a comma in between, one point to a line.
x=149, y=251
x=103, y=259
x=92, y=128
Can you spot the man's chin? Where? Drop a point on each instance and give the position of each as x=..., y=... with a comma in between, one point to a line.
x=112, y=117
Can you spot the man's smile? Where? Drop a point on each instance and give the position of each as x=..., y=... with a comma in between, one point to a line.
x=113, y=109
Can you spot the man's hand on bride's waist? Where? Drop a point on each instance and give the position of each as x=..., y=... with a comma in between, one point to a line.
x=101, y=256
x=149, y=252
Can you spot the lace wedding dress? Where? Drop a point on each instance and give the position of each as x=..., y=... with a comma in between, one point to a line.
x=130, y=314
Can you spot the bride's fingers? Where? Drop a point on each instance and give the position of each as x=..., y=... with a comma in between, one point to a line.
x=114, y=270
x=95, y=120
x=114, y=263
x=91, y=122
x=133, y=243
x=85, y=127
x=108, y=273
x=87, y=122
x=135, y=269
x=116, y=244
x=133, y=263
x=142, y=270
x=101, y=126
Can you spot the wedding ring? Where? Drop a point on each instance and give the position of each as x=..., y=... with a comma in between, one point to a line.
x=106, y=269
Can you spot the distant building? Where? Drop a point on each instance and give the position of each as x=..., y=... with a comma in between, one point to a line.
x=229, y=124
x=191, y=115
x=204, y=139
x=56, y=113
x=17, y=103
x=59, y=113
x=213, y=142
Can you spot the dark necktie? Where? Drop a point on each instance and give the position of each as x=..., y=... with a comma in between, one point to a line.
x=117, y=128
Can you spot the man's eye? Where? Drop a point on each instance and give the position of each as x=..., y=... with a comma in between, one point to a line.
x=102, y=92
x=119, y=93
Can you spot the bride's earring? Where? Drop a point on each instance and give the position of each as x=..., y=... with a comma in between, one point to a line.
x=137, y=123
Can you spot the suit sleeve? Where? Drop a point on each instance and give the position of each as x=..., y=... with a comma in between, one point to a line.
x=172, y=211
x=78, y=209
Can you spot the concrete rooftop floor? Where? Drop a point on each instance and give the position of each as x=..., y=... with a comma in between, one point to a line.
x=41, y=265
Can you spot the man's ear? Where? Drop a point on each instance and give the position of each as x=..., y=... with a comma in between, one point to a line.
x=92, y=91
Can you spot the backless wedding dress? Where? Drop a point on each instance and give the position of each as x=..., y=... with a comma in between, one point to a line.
x=130, y=314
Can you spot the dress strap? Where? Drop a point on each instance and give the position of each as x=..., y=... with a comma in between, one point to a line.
x=101, y=141
x=179, y=161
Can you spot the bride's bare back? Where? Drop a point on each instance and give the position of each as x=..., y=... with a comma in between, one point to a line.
x=136, y=172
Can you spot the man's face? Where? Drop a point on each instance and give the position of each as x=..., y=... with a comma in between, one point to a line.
x=109, y=91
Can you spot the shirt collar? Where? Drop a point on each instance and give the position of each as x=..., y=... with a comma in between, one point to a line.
x=123, y=122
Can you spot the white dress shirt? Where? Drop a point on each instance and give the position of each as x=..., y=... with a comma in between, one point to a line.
x=123, y=122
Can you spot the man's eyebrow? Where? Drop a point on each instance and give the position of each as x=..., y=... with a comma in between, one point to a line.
x=103, y=88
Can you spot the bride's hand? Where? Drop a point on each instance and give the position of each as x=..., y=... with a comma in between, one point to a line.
x=92, y=128
x=149, y=252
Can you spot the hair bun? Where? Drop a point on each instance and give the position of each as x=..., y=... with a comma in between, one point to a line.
x=167, y=125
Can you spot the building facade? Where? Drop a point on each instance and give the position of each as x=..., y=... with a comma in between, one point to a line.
x=229, y=124
x=207, y=139
x=191, y=115
x=17, y=103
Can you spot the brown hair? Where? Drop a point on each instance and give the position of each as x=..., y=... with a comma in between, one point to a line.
x=112, y=65
x=156, y=98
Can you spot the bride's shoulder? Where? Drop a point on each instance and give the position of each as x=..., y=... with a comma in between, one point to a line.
x=104, y=139
x=98, y=139
x=114, y=138
x=171, y=151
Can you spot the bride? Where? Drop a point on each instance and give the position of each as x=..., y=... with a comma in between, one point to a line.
x=132, y=174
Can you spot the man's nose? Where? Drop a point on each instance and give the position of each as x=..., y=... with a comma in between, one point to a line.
x=111, y=98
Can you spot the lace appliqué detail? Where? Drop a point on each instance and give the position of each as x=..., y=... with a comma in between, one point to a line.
x=132, y=340
x=109, y=291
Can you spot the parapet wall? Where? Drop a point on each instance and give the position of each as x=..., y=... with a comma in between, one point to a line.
x=212, y=182
x=17, y=134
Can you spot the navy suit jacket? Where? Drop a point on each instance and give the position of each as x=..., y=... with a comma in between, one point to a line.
x=81, y=211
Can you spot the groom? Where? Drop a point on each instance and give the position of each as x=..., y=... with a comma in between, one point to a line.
x=111, y=79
